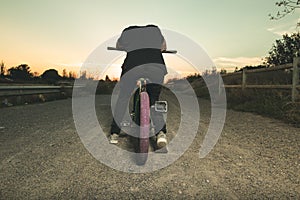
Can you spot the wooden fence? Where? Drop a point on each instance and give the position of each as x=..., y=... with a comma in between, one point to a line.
x=293, y=87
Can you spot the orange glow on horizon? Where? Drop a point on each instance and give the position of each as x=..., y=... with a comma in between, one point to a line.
x=177, y=68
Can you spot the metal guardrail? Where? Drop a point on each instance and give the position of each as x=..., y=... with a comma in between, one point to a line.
x=20, y=90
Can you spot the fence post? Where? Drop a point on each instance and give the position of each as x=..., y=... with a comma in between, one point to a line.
x=244, y=79
x=296, y=62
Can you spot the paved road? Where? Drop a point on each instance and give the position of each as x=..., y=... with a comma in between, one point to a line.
x=42, y=156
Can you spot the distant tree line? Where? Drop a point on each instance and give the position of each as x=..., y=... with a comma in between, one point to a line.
x=22, y=73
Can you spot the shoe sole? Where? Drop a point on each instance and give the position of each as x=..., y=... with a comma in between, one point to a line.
x=161, y=142
x=113, y=142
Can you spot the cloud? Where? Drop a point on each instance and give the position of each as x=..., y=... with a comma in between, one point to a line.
x=231, y=63
x=286, y=28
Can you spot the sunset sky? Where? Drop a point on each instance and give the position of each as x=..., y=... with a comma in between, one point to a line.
x=61, y=34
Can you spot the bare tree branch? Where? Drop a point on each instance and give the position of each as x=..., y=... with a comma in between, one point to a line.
x=289, y=6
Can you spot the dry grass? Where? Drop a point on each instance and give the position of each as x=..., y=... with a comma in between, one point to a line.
x=275, y=103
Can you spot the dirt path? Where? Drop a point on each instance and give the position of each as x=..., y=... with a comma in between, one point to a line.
x=43, y=157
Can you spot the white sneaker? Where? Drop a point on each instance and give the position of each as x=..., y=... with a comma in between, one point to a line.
x=161, y=140
x=114, y=138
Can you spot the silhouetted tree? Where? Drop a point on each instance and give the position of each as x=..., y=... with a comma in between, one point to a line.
x=21, y=72
x=223, y=71
x=2, y=69
x=107, y=79
x=72, y=75
x=251, y=68
x=65, y=74
x=83, y=75
x=284, y=50
x=210, y=72
x=51, y=76
x=193, y=77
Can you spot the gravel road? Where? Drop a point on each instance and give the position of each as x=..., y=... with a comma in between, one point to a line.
x=42, y=157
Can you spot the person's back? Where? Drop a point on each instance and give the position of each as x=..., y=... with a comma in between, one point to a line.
x=144, y=46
